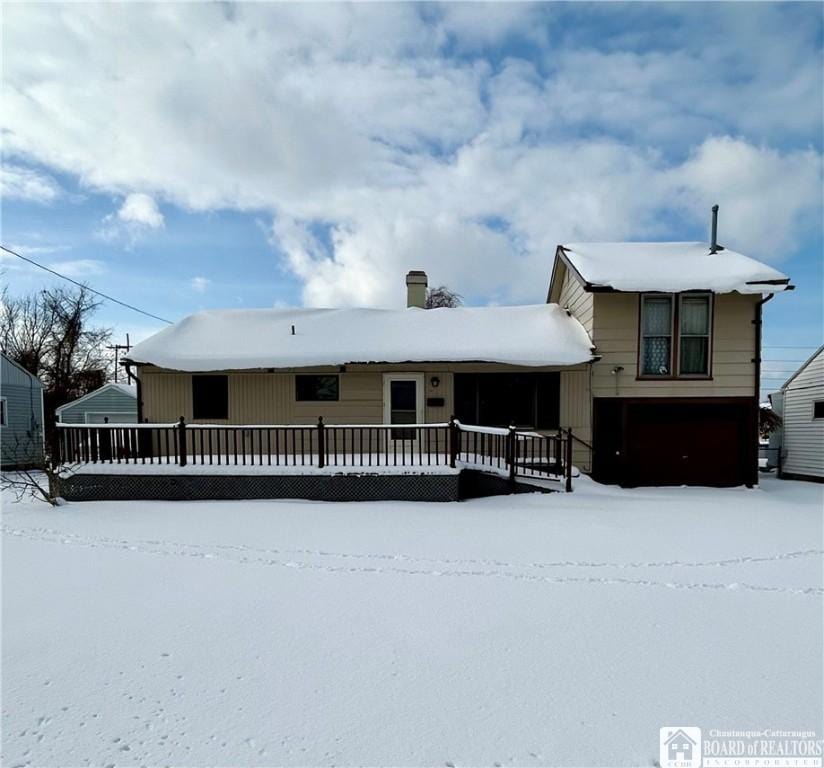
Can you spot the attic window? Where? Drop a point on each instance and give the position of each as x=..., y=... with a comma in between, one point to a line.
x=210, y=397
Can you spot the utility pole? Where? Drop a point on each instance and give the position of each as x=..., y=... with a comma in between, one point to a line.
x=117, y=347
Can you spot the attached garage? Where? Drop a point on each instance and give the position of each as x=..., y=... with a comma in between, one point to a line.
x=675, y=441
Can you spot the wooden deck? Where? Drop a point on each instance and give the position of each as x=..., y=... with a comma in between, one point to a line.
x=382, y=450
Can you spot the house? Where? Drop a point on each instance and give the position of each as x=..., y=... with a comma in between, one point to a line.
x=648, y=352
x=800, y=403
x=115, y=403
x=21, y=416
x=677, y=329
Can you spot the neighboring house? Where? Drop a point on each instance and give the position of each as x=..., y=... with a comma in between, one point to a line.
x=21, y=416
x=113, y=403
x=649, y=352
x=800, y=403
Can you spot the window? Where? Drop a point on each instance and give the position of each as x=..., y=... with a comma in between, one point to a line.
x=2, y=411
x=499, y=399
x=694, y=335
x=210, y=397
x=656, y=336
x=818, y=410
x=313, y=388
x=667, y=353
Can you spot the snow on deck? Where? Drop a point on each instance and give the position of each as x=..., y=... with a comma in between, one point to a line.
x=560, y=629
x=671, y=267
x=251, y=465
x=538, y=335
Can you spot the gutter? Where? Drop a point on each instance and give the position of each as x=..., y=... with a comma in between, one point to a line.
x=759, y=311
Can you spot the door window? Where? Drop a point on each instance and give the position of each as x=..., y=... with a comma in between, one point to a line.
x=403, y=407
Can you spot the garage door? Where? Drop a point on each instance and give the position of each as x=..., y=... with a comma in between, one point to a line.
x=676, y=442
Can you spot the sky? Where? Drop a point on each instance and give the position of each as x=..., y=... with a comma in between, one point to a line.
x=185, y=156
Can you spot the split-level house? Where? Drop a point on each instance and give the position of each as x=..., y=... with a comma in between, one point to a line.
x=648, y=352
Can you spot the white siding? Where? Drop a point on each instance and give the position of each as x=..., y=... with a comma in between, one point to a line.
x=804, y=435
x=574, y=298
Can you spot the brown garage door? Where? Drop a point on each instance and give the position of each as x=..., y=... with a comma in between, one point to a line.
x=675, y=442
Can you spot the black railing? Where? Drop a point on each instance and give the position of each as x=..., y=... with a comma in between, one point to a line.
x=509, y=451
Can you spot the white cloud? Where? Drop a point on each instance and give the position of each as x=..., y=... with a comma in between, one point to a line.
x=141, y=209
x=137, y=215
x=22, y=183
x=376, y=152
x=473, y=25
x=770, y=198
x=78, y=268
x=200, y=284
x=36, y=250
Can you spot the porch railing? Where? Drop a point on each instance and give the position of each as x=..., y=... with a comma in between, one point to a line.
x=509, y=451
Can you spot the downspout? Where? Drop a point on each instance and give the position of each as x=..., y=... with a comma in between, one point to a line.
x=759, y=322
x=757, y=359
x=136, y=378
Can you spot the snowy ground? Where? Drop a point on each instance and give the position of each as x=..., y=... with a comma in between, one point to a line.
x=530, y=630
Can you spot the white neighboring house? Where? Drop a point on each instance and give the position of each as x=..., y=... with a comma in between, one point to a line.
x=115, y=403
x=800, y=403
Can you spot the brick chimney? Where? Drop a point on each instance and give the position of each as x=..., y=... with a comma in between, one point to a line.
x=416, y=288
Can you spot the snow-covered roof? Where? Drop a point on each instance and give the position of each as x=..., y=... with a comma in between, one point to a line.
x=670, y=267
x=536, y=335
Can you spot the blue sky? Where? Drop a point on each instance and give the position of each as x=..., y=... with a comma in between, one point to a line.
x=188, y=156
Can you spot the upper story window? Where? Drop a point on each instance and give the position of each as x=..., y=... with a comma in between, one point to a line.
x=675, y=335
x=210, y=397
x=818, y=409
x=656, y=335
x=694, y=335
x=314, y=388
x=2, y=411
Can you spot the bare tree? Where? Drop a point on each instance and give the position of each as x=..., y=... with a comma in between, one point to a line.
x=37, y=477
x=50, y=334
x=441, y=296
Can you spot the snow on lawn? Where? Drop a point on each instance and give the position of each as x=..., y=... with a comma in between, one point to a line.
x=560, y=629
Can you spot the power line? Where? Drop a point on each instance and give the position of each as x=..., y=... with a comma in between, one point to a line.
x=87, y=287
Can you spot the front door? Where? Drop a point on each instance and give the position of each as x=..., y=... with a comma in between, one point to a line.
x=403, y=402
